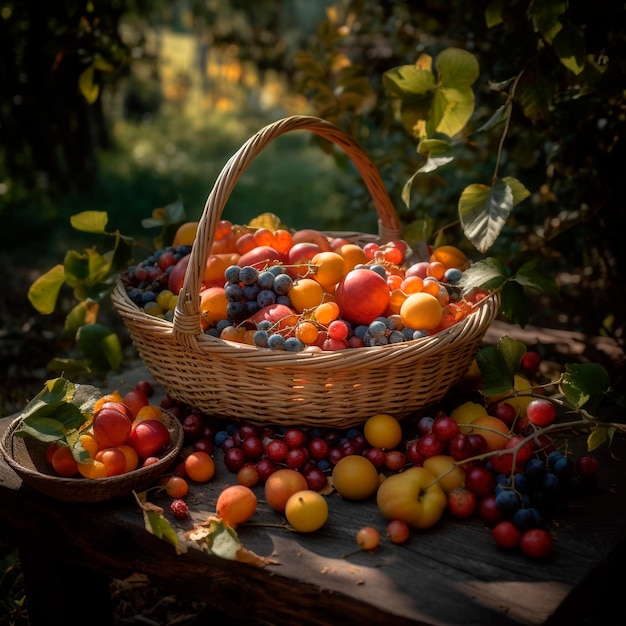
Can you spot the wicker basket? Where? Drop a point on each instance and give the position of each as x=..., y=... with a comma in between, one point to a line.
x=27, y=458
x=333, y=389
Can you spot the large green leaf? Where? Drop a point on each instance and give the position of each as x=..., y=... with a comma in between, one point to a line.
x=498, y=365
x=457, y=68
x=44, y=292
x=515, y=306
x=569, y=45
x=51, y=413
x=100, y=346
x=483, y=212
x=488, y=274
x=90, y=221
x=533, y=276
x=584, y=384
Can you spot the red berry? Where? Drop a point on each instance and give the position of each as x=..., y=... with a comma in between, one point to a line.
x=480, y=481
x=541, y=412
x=530, y=362
x=461, y=502
x=537, y=543
x=506, y=535
x=445, y=427
x=488, y=511
x=587, y=467
x=505, y=412
x=179, y=509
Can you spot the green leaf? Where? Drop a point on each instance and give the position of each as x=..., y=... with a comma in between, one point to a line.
x=100, y=346
x=488, y=274
x=498, y=365
x=598, y=436
x=85, y=312
x=496, y=379
x=546, y=16
x=450, y=110
x=500, y=116
x=457, y=68
x=123, y=254
x=493, y=13
x=87, y=86
x=437, y=152
x=44, y=292
x=533, y=277
x=569, y=45
x=584, y=384
x=483, y=212
x=76, y=266
x=520, y=193
x=224, y=541
x=408, y=81
x=90, y=221
x=515, y=305
x=51, y=414
x=155, y=523
x=418, y=231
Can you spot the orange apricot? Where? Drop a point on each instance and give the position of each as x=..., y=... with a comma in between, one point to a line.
x=200, y=467
x=64, y=463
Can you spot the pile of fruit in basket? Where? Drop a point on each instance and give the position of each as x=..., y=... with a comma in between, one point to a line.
x=305, y=290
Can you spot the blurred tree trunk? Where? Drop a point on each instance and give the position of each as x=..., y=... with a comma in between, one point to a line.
x=49, y=132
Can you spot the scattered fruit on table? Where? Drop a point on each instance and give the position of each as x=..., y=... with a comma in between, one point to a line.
x=305, y=290
x=306, y=511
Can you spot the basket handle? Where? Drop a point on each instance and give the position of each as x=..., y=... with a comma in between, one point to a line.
x=186, y=323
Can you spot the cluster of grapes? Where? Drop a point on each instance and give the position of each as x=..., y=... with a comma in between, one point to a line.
x=147, y=282
x=247, y=290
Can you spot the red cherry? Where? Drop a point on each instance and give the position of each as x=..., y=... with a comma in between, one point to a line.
x=506, y=535
x=537, y=543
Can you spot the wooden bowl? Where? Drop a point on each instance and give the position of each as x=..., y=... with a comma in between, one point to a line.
x=27, y=457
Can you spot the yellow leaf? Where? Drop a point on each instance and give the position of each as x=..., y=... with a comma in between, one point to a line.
x=87, y=86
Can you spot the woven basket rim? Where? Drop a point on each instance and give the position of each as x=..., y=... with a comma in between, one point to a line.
x=80, y=489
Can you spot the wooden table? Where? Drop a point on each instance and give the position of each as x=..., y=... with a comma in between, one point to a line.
x=452, y=574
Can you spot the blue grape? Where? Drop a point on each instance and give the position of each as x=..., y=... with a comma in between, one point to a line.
x=535, y=468
x=379, y=269
x=232, y=274
x=395, y=337
x=377, y=328
x=222, y=324
x=260, y=339
x=360, y=331
x=508, y=501
x=264, y=325
x=248, y=275
x=250, y=292
x=275, y=270
x=550, y=482
x=283, y=284
x=293, y=344
x=276, y=342
x=563, y=468
x=266, y=297
x=233, y=292
x=453, y=275
x=213, y=332
x=220, y=437
x=266, y=280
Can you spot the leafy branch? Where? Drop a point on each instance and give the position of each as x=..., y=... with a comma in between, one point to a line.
x=91, y=275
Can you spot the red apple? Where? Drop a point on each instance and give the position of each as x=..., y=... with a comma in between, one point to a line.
x=149, y=437
x=363, y=295
x=259, y=257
